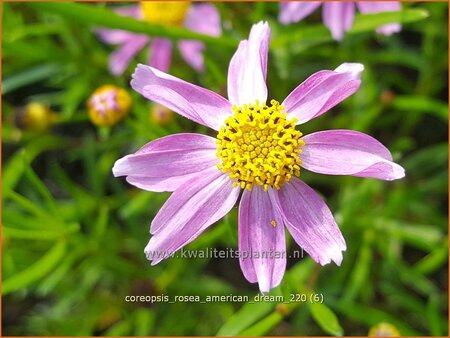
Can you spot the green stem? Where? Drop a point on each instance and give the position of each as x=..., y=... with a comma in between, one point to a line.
x=104, y=17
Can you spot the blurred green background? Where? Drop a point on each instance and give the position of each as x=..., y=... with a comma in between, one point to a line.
x=73, y=236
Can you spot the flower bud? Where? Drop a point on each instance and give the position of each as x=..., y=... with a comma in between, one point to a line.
x=384, y=330
x=160, y=114
x=35, y=116
x=108, y=105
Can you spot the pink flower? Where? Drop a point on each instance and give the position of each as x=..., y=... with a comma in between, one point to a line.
x=201, y=18
x=339, y=16
x=257, y=150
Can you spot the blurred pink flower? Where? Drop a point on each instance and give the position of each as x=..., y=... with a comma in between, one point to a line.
x=257, y=150
x=202, y=18
x=339, y=16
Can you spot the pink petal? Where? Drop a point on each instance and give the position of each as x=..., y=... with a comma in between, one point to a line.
x=121, y=58
x=348, y=152
x=262, y=243
x=168, y=162
x=117, y=36
x=193, y=102
x=310, y=222
x=379, y=6
x=160, y=184
x=295, y=11
x=382, y=6
x=203, y=18
x=338, y=17
x=248, y=68
x=161, y=54
x=192, y=52
x=322, y=91
x=114, y=36
x=189, y=211
x=389, y=29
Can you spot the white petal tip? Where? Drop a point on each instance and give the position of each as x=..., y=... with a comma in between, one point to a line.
x=398, y=172
x=261, y=24
x=323, y=261
x=389, y=29
x=264, y=291
x=338, y=260
x=141, y=76
x=267, y=285
x=355, y=69
x=331, y=255
x=119, y=168
x=395, y=172
x=259, y=29
x=337, y=254
x=150, y=255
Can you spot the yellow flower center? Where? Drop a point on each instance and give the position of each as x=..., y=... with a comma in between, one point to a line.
x=259, y=145
x=165, y=13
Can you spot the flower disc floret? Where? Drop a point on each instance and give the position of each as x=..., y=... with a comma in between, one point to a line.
x=259, y=145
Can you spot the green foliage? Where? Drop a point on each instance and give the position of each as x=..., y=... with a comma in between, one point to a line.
x=36, y=271
x=73, y=235
x=325, y=318
x=95, y=15
x=246, y=316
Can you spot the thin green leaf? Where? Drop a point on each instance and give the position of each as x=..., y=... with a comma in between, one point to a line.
x=122, y=328
x=14, y=168
x=60, y=272
x=433, y=316
x=33, y=30
x=75, y=93
x=27, y=204
x=361, y=269
x=29, y=76
x=102, y=221
x=246, y=316
x=416, y=280
x=137, y=205
x=427, y=161
x=425, y=105
x=12, y=171
x=39, y=234
x=36, y=271
x=326, y=318
x=369, y=22
x=37, y=183
x=145, y=321
x=419, y=235
x=433, y=260
x=264, y=326
x=102, y=16
x=372, y=316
